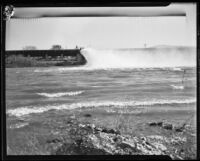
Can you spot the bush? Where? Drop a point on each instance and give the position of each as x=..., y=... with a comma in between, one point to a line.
x=21, y=61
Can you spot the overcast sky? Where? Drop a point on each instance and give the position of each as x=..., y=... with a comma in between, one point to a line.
x=134, y=28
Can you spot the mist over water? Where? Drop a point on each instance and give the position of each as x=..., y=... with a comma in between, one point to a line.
x=140, y=58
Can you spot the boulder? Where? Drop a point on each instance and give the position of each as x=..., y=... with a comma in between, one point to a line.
x=167, y=126
x=87, y=115
x=155, y=123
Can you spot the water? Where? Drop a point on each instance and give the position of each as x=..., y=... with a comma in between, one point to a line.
x=109, y=85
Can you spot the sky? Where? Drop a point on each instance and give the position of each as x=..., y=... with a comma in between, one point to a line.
x=124, y=27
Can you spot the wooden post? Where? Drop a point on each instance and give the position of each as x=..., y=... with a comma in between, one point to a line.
x=184, y=71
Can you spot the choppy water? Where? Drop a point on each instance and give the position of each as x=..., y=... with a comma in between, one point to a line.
x=33, y=91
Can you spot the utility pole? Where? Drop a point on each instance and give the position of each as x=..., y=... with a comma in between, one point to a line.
x=184, y=71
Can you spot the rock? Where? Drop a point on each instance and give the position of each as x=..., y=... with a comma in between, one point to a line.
x=167, y=126
x=111, y=131
x=115, y=139
x=53, y=140
x=160, y=146
x=152, y=124
x=92, y=126
x=123, y=145
x=98, y=129
x=88, y=139
x=178, y=140
x=72, y=117
x=159, y=123
x=82, y=125
x=179, y=129
x=155, y=123
x=157, y=137
x=70, y=121
x=87, y=115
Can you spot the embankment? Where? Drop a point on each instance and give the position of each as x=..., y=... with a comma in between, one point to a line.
x=43, y=58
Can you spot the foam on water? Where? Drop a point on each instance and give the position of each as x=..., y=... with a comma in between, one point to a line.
x=120, y=104
x=18, y=125
x=177, y=69
x=177, y=87
x=60, y=94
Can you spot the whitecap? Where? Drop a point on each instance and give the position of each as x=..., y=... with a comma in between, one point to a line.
x=60, y=94
x=177, y=69
x=18, y=125
x=18, y=112
x=177, y=87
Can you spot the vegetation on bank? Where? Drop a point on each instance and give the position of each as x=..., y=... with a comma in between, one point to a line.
x=21, y=61
x=14, y=61
x=30, y=56
x=77, y=135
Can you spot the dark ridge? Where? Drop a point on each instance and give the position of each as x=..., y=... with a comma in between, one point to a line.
x=39, y=58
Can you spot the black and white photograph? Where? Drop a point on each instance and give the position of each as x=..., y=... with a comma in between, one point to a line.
x=111, y=80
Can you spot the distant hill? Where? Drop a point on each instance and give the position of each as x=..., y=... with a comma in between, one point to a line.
x=171, y=46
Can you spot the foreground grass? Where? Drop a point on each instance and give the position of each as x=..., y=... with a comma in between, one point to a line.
x=81, y=135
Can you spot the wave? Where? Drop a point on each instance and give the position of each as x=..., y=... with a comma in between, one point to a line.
x=87, y=68
x=140, y=58
x=40, y=109
x=177, y=87
x=19, y=125
x=177, y=69
x=53, y=95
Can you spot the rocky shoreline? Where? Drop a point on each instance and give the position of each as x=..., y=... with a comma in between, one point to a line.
x=93, y=133
x=88, y=139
